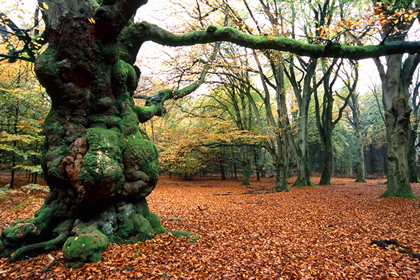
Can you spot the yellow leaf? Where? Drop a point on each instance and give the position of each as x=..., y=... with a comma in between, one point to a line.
x=45, y=6
x=91, y=20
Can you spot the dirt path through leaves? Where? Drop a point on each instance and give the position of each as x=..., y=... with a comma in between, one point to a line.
x=321, y=232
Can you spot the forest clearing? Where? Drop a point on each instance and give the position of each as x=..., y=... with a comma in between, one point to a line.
x=248, y=232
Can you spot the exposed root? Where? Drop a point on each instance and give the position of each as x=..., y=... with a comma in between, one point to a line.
x=83, y=239
x=86, y=246
x=63, y=230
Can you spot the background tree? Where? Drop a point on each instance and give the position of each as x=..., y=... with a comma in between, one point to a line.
x=355, y=122
x=23, y=108
x=354, y=119
x=373, y=130
x=397, y=19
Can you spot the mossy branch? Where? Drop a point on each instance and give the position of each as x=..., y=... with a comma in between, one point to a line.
x=154, y=105
x=159, y=35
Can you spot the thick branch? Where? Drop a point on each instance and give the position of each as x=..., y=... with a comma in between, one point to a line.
x=159, y=35
x=154, y=104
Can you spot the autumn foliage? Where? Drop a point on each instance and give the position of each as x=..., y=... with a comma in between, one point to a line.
x=249, y=233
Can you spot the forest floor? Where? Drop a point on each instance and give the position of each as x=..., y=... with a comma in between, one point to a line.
x=249, y=232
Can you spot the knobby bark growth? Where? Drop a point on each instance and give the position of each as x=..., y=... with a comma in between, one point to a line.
x=98, y=163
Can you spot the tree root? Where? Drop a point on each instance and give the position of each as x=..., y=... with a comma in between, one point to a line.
x=303, y=183
x=63, y=230
x=83, y=236
x=87, y=246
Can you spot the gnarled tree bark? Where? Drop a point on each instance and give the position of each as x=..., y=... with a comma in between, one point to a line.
x=98, y=163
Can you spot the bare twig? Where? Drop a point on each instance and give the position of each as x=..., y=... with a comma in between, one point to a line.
x=52, y=261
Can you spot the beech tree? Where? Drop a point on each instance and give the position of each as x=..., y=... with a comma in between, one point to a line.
x=354, y=120
x=324, y=117
x=99, y=165
x=396, y=74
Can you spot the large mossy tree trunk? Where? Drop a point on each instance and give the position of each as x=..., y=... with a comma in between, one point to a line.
x=98, y=164
x=281, y=176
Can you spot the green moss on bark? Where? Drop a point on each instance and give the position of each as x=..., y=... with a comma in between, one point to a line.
x=153, y=219
x=135, y=228
x=136, y=223
x=86, y=246
x=407, y=193
x=102, y=162
x=143, y=155
x=125, y=74
x=303, y=182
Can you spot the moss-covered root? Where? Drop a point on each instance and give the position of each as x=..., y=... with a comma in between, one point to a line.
x=135, y=222
x=408, y=193
x=123, y=222
x=86, y=246
x=180, y=234
x=26, y=238
x=62, y=230
x=360, y=181
x=303, y=183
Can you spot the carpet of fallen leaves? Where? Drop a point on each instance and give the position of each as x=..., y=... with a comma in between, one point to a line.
x=248, y=232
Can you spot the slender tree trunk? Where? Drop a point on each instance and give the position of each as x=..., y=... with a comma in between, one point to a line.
x=412, y=154
x=15, y=131
x=303, y=92
x=413, y=136
x=257, y=158
x=222, y=170
x=328, y=161
x=281, y=176
x=360, y=165
x=12, y=174
x=247, y=166
x=355, y=121
x=302, y=159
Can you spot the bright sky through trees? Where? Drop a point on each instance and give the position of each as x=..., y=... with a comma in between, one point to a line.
x=162, y=12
